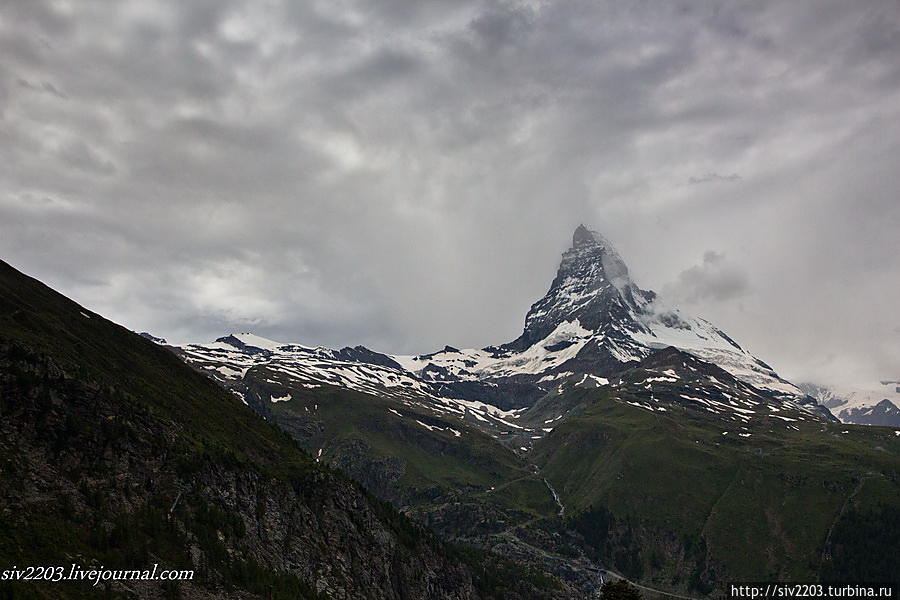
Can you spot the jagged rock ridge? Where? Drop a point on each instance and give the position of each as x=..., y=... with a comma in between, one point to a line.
x=593, y=322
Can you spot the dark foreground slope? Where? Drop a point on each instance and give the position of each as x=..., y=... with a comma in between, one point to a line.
x=115, y=453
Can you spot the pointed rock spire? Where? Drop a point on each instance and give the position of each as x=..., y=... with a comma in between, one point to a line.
x=583, y=237
x=592, y=285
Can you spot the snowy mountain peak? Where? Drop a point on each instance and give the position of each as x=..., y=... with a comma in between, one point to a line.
x=622, y=323
x=591, y=285
x=877, y=403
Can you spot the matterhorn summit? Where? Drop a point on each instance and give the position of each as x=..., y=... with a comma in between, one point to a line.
x=592, y=285
x=595, y=320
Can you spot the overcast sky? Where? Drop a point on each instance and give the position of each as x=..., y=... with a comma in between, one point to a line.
x=405, y=175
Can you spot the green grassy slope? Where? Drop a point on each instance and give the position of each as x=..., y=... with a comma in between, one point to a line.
x=670, y=498
x=402, y=453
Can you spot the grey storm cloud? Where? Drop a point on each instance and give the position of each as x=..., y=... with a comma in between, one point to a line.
x=405, y=175
x=45, y=87
x=713, y=280
x=713, y=177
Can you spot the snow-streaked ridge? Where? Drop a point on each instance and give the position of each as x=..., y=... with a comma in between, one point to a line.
x=593, y=322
